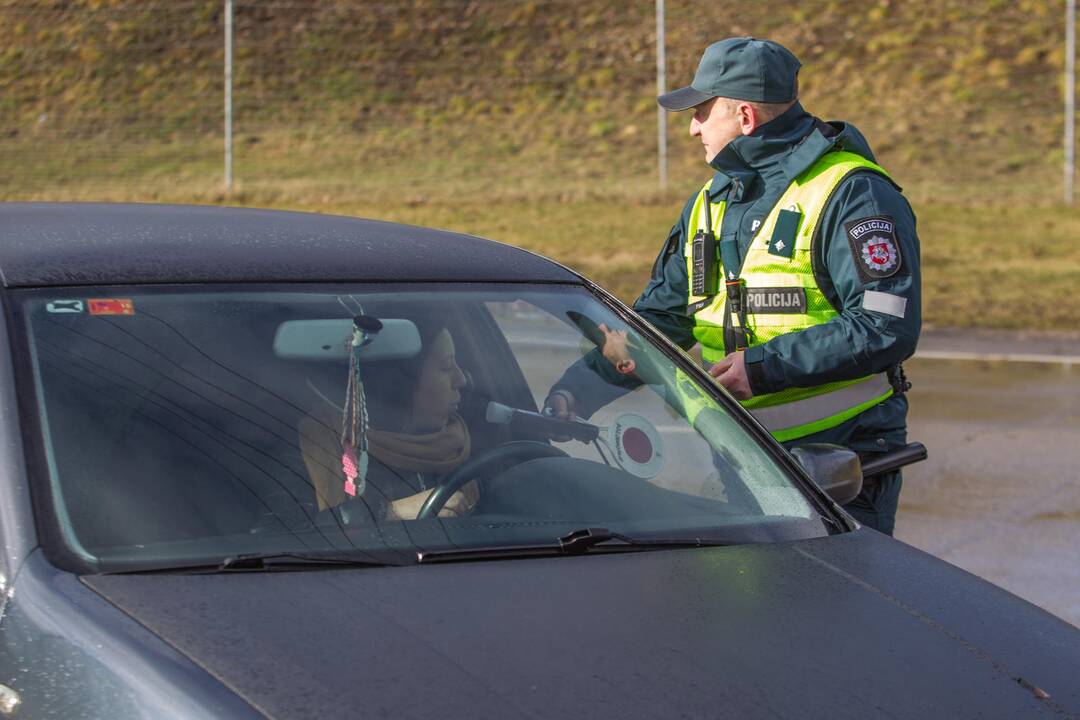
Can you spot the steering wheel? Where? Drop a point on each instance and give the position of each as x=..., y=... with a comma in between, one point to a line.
x=517, y=451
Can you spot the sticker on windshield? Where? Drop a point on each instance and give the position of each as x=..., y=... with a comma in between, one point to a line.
x=64, y=306
x=111, y=306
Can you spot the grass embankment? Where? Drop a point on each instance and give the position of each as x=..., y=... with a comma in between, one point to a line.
x=983, y=267
x=1012, y=264
x=533, y=122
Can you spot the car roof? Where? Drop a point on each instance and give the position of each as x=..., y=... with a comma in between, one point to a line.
x=57, y=244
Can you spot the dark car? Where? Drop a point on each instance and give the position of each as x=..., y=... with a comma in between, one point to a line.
x=261, y=464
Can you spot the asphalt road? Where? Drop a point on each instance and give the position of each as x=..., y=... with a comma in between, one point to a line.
x=1000, y=494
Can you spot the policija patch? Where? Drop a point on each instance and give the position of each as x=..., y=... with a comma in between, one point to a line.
x=874, y=245
x=771, y=301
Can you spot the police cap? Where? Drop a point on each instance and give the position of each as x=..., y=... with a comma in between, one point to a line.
x=739, y=68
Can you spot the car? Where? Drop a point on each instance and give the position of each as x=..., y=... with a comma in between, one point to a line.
x=264, y=464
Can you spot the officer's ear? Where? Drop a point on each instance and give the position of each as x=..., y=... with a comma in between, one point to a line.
x=749, y=118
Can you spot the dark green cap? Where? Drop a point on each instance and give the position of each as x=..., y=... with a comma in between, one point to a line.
x=739, y=68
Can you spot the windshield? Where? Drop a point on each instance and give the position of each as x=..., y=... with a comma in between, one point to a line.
x=194, y=423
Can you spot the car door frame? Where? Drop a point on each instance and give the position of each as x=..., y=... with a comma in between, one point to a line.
x=18, y=531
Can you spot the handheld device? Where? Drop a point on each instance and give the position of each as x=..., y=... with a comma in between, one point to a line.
x=703, y=264
x=632, y=440
x=703, y=257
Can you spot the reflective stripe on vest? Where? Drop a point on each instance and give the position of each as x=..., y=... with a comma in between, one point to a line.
x=811, y=409
x=799, y=418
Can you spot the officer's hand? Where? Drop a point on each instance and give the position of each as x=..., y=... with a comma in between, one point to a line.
x=561, y=404
x=731, y=373
x=617, y=350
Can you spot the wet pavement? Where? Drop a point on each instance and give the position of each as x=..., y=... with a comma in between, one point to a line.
x=1000, y=494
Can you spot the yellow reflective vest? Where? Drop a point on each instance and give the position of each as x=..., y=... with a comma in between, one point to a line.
x=781, y=295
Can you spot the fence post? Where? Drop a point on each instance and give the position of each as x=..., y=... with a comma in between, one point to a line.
x=661, y=114
x=1070, y=98
x=228, y=95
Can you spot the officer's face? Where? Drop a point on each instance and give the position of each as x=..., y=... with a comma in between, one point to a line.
x=717, y=123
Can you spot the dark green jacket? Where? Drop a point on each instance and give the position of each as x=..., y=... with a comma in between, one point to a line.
x=751, y=174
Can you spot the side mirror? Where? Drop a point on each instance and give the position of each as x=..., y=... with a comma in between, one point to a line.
x=835, y=469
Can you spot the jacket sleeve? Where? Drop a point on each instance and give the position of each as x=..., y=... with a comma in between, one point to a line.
x=880, y=313
x=662, y=303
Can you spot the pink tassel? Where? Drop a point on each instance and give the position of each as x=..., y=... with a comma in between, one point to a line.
x=349, y=467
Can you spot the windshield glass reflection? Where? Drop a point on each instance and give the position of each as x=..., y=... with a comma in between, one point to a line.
x=180, y=424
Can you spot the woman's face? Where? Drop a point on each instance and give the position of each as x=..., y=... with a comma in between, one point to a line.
x=438, y=388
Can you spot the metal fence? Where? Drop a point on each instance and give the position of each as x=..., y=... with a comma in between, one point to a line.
x=407, y=100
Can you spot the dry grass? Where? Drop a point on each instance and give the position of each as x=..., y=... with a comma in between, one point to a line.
x=1010, y=261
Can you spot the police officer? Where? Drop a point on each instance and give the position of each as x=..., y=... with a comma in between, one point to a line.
x=796, y=268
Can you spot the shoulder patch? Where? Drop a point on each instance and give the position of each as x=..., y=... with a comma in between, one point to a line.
x=875, y=247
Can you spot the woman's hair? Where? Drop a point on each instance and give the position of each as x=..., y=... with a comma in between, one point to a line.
x=389, y=384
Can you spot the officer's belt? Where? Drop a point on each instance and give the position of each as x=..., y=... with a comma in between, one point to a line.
x=803, y=412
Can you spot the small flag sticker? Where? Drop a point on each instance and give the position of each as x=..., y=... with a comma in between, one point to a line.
x=111, y=306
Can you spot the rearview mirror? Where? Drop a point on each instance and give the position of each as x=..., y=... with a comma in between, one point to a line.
x=835, y=469
x=329, y=340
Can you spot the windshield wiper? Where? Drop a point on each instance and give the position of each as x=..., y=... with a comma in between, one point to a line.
x=833, y=525
x=271, y=561
x=577, y=542
x=263, y=562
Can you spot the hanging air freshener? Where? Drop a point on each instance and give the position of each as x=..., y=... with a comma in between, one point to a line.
x=354, y=456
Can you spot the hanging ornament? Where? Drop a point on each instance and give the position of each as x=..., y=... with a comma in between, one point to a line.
x=354, y=425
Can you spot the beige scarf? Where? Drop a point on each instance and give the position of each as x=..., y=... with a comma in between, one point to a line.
x=437, y=452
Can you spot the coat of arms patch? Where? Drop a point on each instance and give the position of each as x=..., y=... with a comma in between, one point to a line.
x=873, y=243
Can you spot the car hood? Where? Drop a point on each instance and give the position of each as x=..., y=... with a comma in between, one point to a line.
x=856, y=625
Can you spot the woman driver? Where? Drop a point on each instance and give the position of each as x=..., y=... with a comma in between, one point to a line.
x=416, y=434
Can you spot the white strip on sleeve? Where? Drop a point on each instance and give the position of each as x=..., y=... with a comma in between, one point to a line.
x=884, y=303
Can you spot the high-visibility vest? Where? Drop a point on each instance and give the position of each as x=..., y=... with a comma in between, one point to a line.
x=783, y=296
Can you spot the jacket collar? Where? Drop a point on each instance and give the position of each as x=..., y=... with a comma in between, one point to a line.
x=781, y=149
